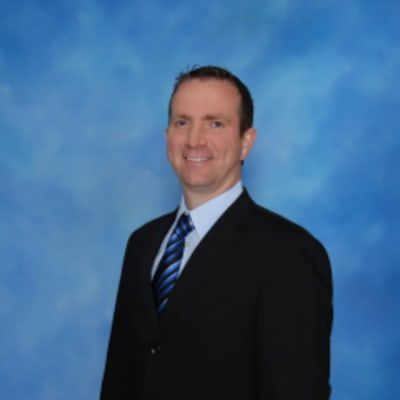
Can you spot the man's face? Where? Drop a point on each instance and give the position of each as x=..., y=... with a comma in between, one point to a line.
x=205, y=147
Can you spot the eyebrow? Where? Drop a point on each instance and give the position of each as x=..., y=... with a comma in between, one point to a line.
x=183, y=116
x=207, y=117
x=210, y=117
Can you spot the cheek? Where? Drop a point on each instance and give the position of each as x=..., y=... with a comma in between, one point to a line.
x=174, y=147
x=231, y=149
x=171, y=143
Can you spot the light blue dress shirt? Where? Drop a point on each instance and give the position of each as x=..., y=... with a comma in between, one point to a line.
x=203, y=218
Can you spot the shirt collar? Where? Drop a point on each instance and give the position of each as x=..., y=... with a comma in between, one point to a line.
x=205, y=215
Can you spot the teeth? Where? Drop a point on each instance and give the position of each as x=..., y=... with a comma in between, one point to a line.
x=197, y=159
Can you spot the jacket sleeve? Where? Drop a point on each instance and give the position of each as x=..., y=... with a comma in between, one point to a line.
x=119, y=375
x=294, y=324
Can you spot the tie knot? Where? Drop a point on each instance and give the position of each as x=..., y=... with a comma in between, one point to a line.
x=184, y=225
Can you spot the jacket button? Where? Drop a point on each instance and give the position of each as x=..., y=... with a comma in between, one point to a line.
x=155, y=350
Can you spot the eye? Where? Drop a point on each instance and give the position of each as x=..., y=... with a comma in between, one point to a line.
x=217, y=124
x=180, y=123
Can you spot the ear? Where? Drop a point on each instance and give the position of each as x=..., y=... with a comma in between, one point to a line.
x=248, y=139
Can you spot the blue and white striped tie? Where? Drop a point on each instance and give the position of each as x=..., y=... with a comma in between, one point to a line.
x=168, y=269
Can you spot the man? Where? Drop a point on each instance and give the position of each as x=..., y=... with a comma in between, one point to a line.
x=221, y=299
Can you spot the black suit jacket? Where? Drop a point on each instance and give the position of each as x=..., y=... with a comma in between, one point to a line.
x=249, y=318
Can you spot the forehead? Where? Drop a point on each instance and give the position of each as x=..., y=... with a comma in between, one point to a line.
x=206, y=95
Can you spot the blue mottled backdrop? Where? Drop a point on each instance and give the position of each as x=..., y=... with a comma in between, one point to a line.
x=83, y=92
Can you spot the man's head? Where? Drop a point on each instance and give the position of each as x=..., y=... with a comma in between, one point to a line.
x=209, y=135
x=246, y=107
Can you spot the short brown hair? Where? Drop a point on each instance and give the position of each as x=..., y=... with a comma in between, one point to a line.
x=246, y=110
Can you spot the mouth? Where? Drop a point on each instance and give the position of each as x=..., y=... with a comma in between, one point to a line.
x=196, y=159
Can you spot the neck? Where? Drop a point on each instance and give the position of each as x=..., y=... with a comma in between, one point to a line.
x=195, y=199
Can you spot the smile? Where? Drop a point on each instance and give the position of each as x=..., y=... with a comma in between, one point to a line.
x=197, y=159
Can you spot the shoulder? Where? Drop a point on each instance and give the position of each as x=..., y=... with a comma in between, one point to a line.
x=284, y=233
x=291, y=242
x=266, y=220
x=152, y=227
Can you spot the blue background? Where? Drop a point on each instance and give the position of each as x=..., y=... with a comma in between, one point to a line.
x=84, y=87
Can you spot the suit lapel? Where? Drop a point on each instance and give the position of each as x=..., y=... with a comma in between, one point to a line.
x=210, y=254
x=153, y=242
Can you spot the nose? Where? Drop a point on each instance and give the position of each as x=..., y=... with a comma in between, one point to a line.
x=196, y=136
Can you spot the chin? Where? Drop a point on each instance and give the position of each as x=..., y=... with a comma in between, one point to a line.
x=196, y=180
x=197, y=185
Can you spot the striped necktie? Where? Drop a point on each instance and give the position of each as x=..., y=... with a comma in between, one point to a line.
x=167, y=272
